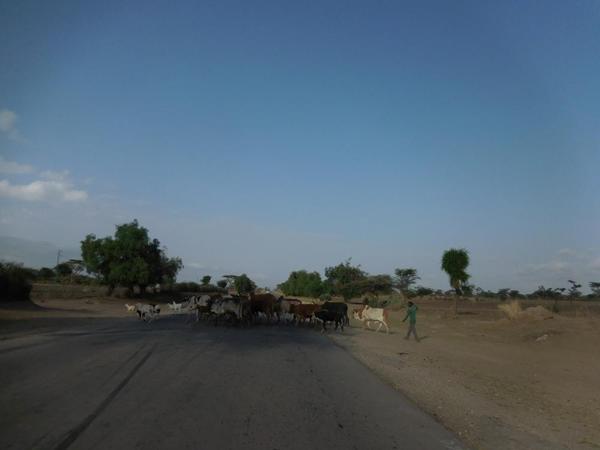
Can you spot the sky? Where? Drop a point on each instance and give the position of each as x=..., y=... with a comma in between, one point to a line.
x=270, y=136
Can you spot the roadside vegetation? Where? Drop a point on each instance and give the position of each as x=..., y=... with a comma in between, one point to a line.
x=132, y=260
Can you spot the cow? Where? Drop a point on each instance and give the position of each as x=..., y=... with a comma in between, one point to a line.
x=325, y=315
x=199, y=306
x=263, y=303
x=175, y=307
x=304, y=311
x=147, y=313
x=367, y=314
x=129, y=307
x=283, y=307
x=341, y=308
x=237, y=308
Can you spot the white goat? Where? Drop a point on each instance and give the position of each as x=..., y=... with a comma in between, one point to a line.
x=175, y=307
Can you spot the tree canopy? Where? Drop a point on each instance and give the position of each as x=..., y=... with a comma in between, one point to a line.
x=130, y=258
x=303, y=283
x=243, y=284
x=405, y=278
x=455, y=263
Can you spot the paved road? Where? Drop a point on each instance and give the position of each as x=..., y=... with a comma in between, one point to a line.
x=120, y=383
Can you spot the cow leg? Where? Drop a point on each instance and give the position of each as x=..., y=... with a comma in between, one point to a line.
x=379, y=327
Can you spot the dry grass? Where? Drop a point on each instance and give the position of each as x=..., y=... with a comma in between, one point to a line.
x=512, y=310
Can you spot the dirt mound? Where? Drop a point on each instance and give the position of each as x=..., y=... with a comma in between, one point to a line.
x=537, y=313
x=514, y=311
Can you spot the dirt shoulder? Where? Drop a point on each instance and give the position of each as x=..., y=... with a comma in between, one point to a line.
x=499, y=384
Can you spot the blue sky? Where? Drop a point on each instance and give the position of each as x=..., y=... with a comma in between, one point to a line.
x=265, y=137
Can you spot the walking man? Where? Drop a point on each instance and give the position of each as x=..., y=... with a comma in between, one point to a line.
x=411, y=314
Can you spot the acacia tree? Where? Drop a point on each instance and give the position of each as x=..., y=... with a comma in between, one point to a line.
x=129, y=258
x=206, y=279
x=243, y=284
x=595, y=287
x=455, y=263
x=405, y=278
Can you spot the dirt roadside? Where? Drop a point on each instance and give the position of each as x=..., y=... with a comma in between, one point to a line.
x=498, y=383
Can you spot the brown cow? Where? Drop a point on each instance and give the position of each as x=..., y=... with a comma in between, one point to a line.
x=303, y=311
x=262, y=303
x=283, y=307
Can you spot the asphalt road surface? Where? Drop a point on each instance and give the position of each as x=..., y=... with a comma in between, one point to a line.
x=121, y=383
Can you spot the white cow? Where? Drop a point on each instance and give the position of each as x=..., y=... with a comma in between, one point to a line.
x=368, y=315
x=175, y=307
x=237, y=307
x=147, y=313
x=195, y=304
x=129, y=307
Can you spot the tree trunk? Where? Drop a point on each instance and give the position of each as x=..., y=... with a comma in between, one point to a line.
x=458, y=294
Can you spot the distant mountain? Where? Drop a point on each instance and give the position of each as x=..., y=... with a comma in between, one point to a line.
x=34, y=254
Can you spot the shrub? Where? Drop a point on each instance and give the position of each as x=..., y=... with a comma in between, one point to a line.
x=325, y=297
x=512, y=309
x=14, y=282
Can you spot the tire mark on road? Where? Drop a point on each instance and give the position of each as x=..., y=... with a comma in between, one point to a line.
x=76, y=432
x=23, y=347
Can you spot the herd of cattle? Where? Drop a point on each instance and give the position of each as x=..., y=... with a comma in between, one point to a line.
x=265, y=308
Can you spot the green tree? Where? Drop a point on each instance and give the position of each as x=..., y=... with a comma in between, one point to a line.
x=374, y=284
x=14, y=282
x=342, y=274
x=503, y=293
x=129, y=259
x=63, y=269
x=243, y=284
x=205, y=280
x=46, y=272
x=574, y=291
x=405, y=278
x=455, y=263
x=303, y=283
x=222, y=284
x=595, y=287
x=422, y=291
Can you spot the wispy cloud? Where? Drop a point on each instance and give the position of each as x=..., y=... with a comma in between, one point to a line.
x=8, y=124
x=565, y=264
x=42, y=190
x=14, y=168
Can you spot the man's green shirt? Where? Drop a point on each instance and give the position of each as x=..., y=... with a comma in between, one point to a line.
x=411, y=314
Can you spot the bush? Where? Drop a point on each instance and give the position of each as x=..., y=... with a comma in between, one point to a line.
x=512, y=309
x=186, y=286
x=325, y=297
x=14, y=282
x=46, y=272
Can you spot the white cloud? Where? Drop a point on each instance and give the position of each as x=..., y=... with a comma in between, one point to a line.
x=42, y=190
x=8, y=124
x=554, y=266
x=14, y=168
x=55, y=176
x=595, y=264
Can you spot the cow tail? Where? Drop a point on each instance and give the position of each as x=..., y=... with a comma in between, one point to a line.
x=385, y=315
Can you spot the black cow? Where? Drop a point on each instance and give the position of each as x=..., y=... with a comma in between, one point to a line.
x=341, y=308
x=325, y=316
